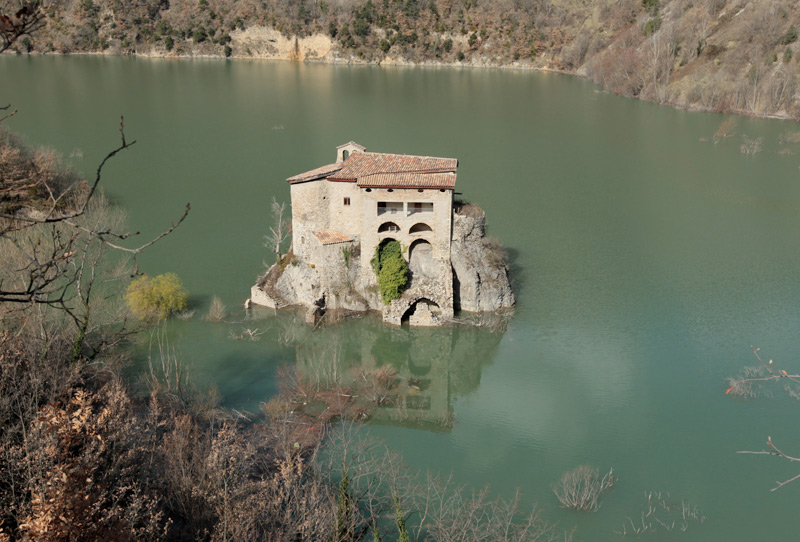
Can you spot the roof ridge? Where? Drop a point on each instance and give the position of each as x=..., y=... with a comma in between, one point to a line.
x=398, y=172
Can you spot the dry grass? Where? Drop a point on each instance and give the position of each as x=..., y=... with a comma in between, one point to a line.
x=470, y=210
x=789, y=137
x=217, y=311
x=662, y=514
x=582, y=487
x=751, y=146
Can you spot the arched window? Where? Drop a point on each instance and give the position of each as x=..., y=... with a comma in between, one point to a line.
x=419, y=227
x=345, y=155
x=388, y=227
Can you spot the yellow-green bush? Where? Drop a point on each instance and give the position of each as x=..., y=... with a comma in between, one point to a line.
x=391, y=268
x=157, y=297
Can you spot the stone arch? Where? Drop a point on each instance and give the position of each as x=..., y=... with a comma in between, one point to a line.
x=419, y=227
x=421, y=312
x=388, y=227
x=420, y=259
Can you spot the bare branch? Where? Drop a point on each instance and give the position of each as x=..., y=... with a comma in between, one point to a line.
x=9, y=115
x=26, y=20
x=44, y=263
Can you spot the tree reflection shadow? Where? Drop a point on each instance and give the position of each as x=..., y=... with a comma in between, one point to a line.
x=431, y=366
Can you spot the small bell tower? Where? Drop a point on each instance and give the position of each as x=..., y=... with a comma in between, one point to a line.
x=344, y=151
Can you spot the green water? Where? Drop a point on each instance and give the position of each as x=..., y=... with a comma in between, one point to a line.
x=646, y=259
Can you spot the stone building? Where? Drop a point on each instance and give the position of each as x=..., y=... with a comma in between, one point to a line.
x=368, y=198
x=342, y=211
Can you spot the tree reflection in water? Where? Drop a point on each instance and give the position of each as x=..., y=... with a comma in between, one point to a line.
x=412, y=374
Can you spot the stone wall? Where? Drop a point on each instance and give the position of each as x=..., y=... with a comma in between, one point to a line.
x=453, y=265
x=308, y=215
x=405, y=219
x=346, y=219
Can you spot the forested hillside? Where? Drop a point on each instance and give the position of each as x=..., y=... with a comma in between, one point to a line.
x=725, y=55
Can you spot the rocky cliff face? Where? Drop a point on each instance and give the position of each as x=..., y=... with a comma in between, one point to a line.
x=478, y=280
x=481, y=277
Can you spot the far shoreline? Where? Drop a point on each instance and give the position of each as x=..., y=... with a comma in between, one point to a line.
x=402, y=63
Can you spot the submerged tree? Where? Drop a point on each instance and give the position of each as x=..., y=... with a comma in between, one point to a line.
x=750, y=382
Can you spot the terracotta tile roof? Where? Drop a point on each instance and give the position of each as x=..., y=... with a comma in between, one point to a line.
x=331, y=237
x=318, y=173
x=361, y=164
x=408, y=180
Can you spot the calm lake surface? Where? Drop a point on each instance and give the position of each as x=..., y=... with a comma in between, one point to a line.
x=646, y=260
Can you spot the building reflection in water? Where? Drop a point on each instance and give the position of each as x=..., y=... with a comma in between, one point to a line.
x=429, y=367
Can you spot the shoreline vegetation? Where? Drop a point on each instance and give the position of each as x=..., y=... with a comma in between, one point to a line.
x=727, y=56
x=87, y=454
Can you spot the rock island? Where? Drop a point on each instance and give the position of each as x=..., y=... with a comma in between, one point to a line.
x=348, y=217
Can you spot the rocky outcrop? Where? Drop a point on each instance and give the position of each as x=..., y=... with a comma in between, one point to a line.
x=475, y=280
x=481, y=276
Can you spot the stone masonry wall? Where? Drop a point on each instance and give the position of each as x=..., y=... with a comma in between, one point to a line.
x=438, y=220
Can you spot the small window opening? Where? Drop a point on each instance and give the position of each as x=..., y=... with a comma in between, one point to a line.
x=345, y=155
x=369, y=189
x=390, y=190
x=441, y=190
x=420, y=190
x=347, y=201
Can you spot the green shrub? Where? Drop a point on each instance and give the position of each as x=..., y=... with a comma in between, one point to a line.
x=790, y=36
x=156, y=298
x=651, y=6
x=382, y=251
x=199, y=35
x=787, y=56
x=393, y=277
x=652, y=26
x=391, y=268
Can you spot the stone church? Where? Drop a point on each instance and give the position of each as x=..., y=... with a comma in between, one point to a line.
x=344, y=210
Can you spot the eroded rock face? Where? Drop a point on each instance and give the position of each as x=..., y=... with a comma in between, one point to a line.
x=475, y=280
x=481, y=278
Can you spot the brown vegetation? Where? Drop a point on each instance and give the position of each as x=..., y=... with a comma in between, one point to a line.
x=81, y=457
x=582, y=487
x=719, y=55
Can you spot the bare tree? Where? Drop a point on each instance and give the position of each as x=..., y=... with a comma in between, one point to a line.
x=27, y=19
x=661, y=48
x=279, y=230
x=44, y=265
x=749, y=384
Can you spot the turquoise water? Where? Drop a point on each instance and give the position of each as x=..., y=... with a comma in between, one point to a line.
x=646, y=260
